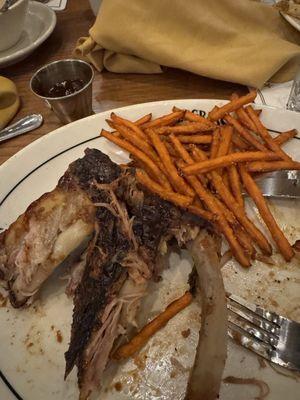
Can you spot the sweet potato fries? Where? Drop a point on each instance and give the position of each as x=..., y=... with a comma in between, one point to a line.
x=202, y=164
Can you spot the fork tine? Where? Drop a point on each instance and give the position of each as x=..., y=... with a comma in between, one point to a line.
x=253, y=318
x=268, y=334
x=265, y=314
x=253, y=330
x=249, y=342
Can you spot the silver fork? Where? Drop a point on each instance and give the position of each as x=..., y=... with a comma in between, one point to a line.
x=268, y=334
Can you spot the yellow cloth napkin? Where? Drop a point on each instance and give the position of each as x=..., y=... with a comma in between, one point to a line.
x=9, y=101
x=233, y=40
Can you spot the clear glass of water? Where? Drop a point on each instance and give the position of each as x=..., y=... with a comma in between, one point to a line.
x=293, y=103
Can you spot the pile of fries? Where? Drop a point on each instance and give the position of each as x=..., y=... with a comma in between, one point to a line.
x=201, y=164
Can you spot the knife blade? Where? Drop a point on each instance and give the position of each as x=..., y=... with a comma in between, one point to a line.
x=280, y=184
x=24, y=125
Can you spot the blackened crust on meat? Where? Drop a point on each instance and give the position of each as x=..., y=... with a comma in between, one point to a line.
x=193, y=277
x=103, y=275
x=101, y=281
x=153, y=219
x=94, y=166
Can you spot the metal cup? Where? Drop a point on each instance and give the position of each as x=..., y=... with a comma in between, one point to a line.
x=70, y=107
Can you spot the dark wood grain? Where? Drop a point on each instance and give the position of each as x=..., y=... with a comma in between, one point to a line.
x=109, y=90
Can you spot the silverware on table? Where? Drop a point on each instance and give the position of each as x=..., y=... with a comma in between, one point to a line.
x=293, y=102
x=280, y=184
x=22, y=126
x=268, y=334
x=70, y=107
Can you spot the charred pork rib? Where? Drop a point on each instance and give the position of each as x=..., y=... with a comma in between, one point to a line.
x=130, y=226
x=40, y=239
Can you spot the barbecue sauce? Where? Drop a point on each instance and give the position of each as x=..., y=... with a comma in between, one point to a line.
x=65, y=88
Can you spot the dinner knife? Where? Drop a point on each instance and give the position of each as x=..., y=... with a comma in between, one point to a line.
x=280, y=184
x=24, y=125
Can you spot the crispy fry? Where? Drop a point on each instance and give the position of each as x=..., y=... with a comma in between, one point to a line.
x=225, y=140
x=245, y=119
x=226, y=212
x=285, y=136
x=175, y=109
x=233, y=105
x=245, y=241
x=227, y=160
x=182, y=152
x=165, y=120
x=170, y=149
x=190, y=116
x=245, y=134
x=209, y=201
x=197, y=139
x=198, y=154
x=226, y=179
x=122, y=121
x=211, y=187
x=281, y=241
x=225, y=145
x=110, y=123
x=215, y=143
x=143, y=120
x=191, y=128
x=143, y=145
x=265, y=166
x=194, y=209
x=144, y=167
x=242, y=236
x=235, y=184
x=227, y=231
x=263, y=132
x=258, y=112
x=239, y=142
x=140, y=121
x=177, y=181
x=240, y=214
x=138, y=341
x=139, y=155
x=178, y=199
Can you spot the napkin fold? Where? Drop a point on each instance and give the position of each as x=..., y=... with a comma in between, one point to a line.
x=238, y=41
x=9, y=101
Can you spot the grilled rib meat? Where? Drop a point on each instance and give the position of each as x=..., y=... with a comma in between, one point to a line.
x=132, y=227
x=50, y=229
x=128, y=226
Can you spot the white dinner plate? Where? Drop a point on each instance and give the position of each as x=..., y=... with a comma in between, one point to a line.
x=40, y=22
x=295, y=22
x=32, y=357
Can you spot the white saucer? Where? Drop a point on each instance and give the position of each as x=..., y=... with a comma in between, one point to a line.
x=39, y=24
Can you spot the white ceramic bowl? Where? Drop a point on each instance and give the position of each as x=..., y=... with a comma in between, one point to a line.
x=12, y=23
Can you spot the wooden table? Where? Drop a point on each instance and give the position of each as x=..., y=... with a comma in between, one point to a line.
x=110, y=90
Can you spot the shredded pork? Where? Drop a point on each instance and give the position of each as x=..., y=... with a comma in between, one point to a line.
x=41, y=239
